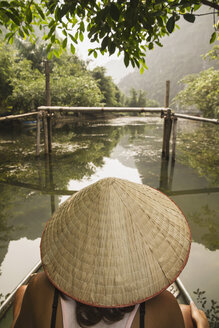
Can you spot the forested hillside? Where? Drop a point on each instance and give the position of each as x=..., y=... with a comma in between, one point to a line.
x=180, y=55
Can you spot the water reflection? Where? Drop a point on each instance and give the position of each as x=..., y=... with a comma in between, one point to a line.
x=30, y=188
x=16, y=257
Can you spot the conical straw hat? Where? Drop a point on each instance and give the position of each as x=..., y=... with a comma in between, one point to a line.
x=115, y=243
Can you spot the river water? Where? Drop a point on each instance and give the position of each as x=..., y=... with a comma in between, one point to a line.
x=85, y=151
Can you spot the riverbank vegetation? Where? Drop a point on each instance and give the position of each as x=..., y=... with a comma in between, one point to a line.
x=72, y=84
x=202, y=90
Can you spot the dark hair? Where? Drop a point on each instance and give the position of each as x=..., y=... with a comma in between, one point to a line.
x=87, y=315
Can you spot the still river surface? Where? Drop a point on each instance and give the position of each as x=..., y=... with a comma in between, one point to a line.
x=83, y=152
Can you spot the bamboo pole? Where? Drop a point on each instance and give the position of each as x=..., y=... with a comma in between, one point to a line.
x=106, y=109
x=13, y=117
x=196, y=118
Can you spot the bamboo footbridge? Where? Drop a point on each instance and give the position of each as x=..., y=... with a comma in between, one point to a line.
x=46, y=113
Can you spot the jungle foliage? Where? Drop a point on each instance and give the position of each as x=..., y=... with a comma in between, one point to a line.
x=139, y=98
x=129, y=27
x=202, y=90
x=22, y=80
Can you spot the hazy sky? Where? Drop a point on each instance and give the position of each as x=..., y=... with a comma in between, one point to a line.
x=82, y=52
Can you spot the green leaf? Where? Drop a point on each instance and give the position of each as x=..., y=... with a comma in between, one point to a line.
x=13, y=17
x=142, y=70
x=82, y=28
x=56, y=53
x=11, y=39
x=29, y=15
x=170, y=24
x=81, y=36
x=196, y=7
x=114, y=12
x=50, y=55
x=126, y=59
x=150, y=46
x=112, y=48
x=189, y=18
x=58, y=14
x=4, y=4
x=64, y=43
x=21, y=33
x=53, y=37
x=213, y=37
x=104, y=43
x=48, y=47
x=95, y=54
x=90, y=51
x=73, y=38
x=72, y=49
x=40, y=11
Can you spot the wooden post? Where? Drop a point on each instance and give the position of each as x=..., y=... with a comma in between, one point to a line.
x=167, y=95
x=167, y=124
x=166, y=134
x=45, y=127
x=38, y=135
x=164, y=175
x=171, y=175
x=174, y=122
x=47, y=73
x=49, y=123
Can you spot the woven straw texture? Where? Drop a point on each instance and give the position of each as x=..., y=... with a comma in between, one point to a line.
x=115, y=243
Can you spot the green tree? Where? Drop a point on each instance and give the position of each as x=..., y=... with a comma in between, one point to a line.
x=139, y=99
x=5, y=64
x=131, y=27
x=71, y=84
x=110, y=92
x=213, y=54
x=133, y=99
x=201, y=90
x=28, y=86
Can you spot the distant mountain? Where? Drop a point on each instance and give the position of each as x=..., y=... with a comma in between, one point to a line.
x=179, y=56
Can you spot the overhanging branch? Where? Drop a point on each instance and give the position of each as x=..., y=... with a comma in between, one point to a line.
x=210, y=4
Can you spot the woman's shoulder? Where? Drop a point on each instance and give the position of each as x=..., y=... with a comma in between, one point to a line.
x=37, y=302
x=39, y=279
x=162, y=311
